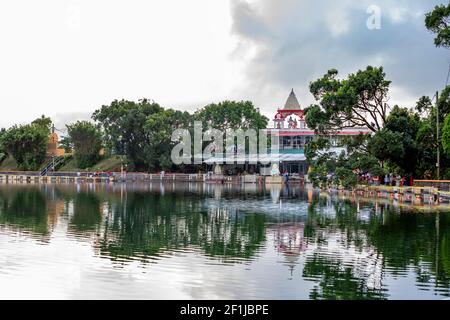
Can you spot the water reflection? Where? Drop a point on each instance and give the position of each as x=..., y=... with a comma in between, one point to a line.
x=313, y=245
x=25, y=210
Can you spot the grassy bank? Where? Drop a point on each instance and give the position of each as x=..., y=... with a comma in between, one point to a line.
x=112, y=163
x=9, y=164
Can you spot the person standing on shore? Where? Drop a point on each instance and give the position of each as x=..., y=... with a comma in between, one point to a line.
x=286, y=176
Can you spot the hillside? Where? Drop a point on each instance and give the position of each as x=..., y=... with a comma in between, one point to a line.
x=9, y=164
x=112, y=163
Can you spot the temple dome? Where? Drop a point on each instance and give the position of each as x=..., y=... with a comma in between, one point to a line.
x=292, y=102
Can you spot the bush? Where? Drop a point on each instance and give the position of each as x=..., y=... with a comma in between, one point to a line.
x=27, y=144
x=87, y=142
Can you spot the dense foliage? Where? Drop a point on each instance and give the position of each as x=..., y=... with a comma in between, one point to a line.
x=446, y=136
x=438, y=22
x=142, y=131
x=231, y=115
x=123, y=123
x=159, y=127
x=27, y=144
x=358, y=101
x=87, y=143
x=44, y=122
x=3, y=152
x=405, y=144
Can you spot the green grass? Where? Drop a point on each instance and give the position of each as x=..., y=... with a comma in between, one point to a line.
x=111, y=163
x=9, y=164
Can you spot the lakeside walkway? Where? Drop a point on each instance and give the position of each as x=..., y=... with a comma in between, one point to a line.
x=425, y=191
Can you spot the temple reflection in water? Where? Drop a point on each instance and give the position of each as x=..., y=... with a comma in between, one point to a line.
x=342, y=247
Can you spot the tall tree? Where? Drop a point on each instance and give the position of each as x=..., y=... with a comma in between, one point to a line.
x=446, y=135
x=123, y=123
x=44, y=122
x=438, y=22
x=231, y=115
x=426, y=136
x=87, y=142
x=396, y=142
x=27, y=144
x=67, y=144
x=3, y=152
x=159, y=127
x=358, y=101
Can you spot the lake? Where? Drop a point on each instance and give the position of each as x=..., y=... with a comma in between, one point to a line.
x=198, y=241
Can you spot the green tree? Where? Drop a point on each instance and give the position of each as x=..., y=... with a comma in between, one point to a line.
x=438, y=22
x=44, y=122
x=396, y=142
x=123, y=124
x=446, y=135
x=159, y=127
x=87, y=142
x=358, y=101
x=67, y=144
x=27, y=144
x=424, y=105
x=426, y=136
x=3, y=152
x=387, y=145
x=231, y=115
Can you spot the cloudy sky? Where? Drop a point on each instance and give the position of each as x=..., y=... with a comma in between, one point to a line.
x=65, y=58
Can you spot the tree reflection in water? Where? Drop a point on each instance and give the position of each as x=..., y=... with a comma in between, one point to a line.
x=354, y=255
x=25, y=210
x=347, y=249
x=149, y=224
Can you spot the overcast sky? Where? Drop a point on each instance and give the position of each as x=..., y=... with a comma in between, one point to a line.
x=65, y=58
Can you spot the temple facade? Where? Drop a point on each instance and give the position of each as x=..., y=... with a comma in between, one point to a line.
x=290, y=126
x=293, y=134
x=53, y=149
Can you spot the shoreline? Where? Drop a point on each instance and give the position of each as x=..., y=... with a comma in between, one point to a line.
x=418, y=196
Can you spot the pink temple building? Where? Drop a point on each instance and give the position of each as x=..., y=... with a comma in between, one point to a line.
x=289, y=124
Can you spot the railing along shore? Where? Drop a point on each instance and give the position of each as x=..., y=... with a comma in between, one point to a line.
x=74, y=177
x=435, y=192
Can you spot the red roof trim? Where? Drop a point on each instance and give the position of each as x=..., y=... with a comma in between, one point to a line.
x=309, y=133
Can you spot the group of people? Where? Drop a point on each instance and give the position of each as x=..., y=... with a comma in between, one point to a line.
x=97, y=174
x=397, y=180
x=387, y=180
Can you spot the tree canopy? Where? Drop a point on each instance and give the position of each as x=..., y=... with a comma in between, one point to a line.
x=159, y=127
x=358, y=101
x=3, y=152
x=438, y=22
x=446, y=135
x=87, y=143
x=27, y=144
x=123, y=122
x=44, y=122
x=231, y=115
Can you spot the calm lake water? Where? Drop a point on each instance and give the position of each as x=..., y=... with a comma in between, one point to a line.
x=195, y=241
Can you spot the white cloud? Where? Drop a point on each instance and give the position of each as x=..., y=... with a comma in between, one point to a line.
x=66, y=56
x=338, y=22
x=398, y=15
x=72, y=56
